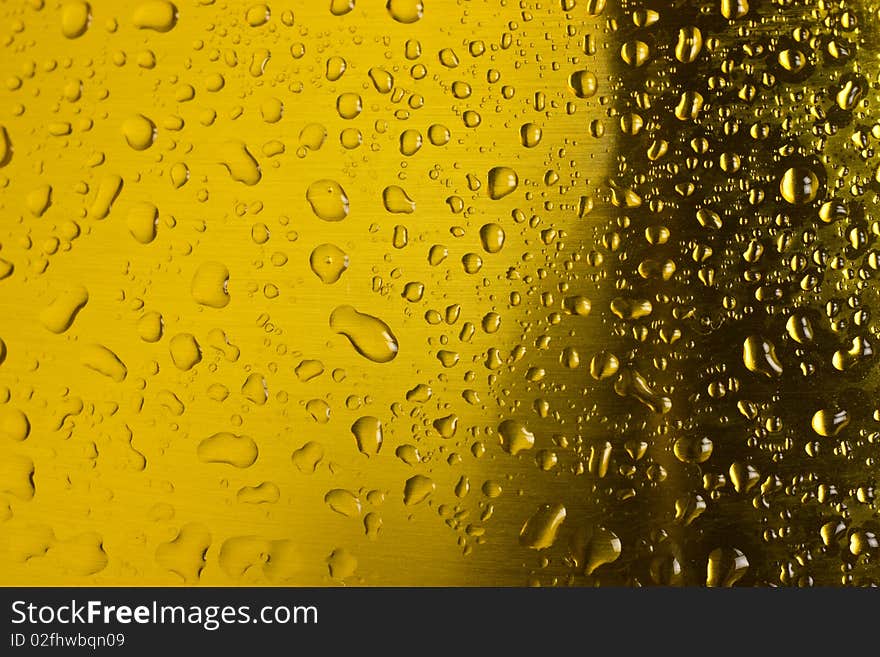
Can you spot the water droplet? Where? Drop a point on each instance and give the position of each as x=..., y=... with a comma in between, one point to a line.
x=158, y=15
x=410, y=142
x=759, y=356
x=58, y=316
x=185, y=351
x=799, y=185
x=150, y=327
x=14, y=424
x=417, y=489
x=583, y=83
x=693, y=449
x=397, y=201
x=228, y=448
x=369, y=335
x=446, y=426
x=859, y=349
x=604, y=365
x=539, y=531
x=851, y=92
x=139, y=132
x=515, y=438
x=185, y=554
x=241, y=165
x=792, y=60
x=635, y=53
x=108, y=190
x=39, y=200
x=800, y=328
x=255, y=389
x=99, y=358
x=438, y=134
x=372, y=525
x=492, y=237
x=5, y=147
x=502, y=181
x=632, y=383
x=383, y=81
x=257, y=15
x=689, y=106
x=75, y=18
x=210, y=284
x=307, y=457
x=726, y=566
x=142, y=221
x=530, y=134
x=349, y=105
x=405, y=11
x=341, y=563
x=367, y=432
x=328, y=262
x=733, y=9
x=272, y=110
x=829, y=422
x=343, y=502
x=308, y=370
x=312, y=136
x=689, y=44
x=631, y=308
x=328, y=200
x=594, y=548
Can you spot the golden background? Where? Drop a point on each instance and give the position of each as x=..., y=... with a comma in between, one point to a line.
x=474, y=292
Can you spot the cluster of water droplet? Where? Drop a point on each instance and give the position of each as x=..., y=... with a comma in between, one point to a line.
x=580, y=290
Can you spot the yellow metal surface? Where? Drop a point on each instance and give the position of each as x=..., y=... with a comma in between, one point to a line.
x=437, y=293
